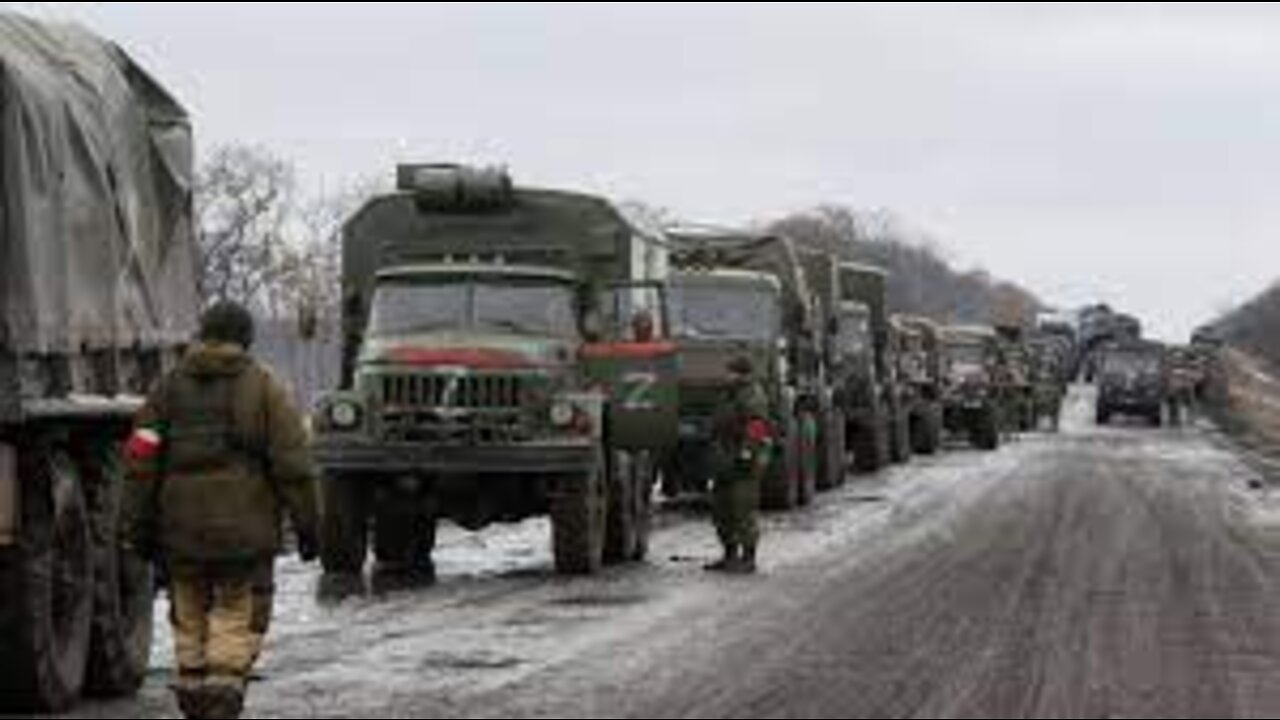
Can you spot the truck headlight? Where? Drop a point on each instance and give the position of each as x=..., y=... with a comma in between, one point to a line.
x=563, y=413
x=345, y=415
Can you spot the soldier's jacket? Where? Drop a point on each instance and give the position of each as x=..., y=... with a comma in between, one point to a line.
x=233, y=459
x=746, y=403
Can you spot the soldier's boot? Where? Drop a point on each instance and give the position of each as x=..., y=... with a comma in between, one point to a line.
x=746, y=562
x=728, y=562
x=224, y=702
x=192, y=702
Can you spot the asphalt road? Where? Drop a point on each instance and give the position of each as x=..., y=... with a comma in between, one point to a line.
x=1099, y=573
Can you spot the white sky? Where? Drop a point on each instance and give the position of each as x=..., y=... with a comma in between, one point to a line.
x=1093, y=151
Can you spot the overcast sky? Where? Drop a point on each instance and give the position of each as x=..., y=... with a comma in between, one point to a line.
x=1114, y=151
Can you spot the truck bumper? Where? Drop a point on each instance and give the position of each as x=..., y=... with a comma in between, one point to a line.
x=9, y=501
x=402, y=459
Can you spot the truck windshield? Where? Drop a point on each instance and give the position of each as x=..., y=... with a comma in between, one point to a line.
x=724, y=313
x=534, y=307
x=966, y=355
x=1131, y=364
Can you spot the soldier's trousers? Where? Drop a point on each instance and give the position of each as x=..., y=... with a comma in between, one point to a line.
x=736, y=506
x=220, y=616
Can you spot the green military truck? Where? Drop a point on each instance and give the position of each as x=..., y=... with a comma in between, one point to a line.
x=505, y=358
x=1132, y=381
x=737, y=294
x=1020, y=401
x=972, y=395
x=97, y=300
x=1051, y=375
x=880, y=431
x=920, y=373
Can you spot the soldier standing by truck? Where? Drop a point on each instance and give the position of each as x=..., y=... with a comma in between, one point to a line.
x=743, y=441
x=218, y=456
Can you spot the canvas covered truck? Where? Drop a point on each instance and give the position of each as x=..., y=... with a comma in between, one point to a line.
x=506, y=357
x=880, y=430
x=97, y=300
x=920, y=374
x=972, y=393
x=739, y=294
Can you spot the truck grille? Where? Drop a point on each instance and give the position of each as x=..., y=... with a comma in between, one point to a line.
x=481, y=392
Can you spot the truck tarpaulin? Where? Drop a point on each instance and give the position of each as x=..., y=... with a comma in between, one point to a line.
x=96, y=242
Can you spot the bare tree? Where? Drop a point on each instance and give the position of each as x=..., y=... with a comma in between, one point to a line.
x=244, y=205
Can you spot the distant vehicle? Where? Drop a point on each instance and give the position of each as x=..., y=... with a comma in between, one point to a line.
x=1132, y=381
x=972, y=395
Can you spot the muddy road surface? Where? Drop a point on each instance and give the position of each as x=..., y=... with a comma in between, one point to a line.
x=1099, y=573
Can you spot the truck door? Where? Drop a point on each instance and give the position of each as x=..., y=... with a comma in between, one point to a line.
x=634, y=360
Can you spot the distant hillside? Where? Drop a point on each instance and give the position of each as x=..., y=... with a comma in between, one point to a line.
x=923, y=282
x=1255, y=326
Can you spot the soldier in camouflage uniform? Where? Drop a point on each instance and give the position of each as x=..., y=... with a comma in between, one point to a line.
x=218, y=457
x=743, y=445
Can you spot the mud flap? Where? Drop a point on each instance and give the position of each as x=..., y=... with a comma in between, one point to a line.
x=8, y=496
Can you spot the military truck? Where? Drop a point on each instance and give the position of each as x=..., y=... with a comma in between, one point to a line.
x=735, y=294
x=1020, y=402
x=972, y=396
x=1051, y=359
x=881, y=432
x=1132, y=381
x=97, y=300
x=505, y=358
x=920, y=374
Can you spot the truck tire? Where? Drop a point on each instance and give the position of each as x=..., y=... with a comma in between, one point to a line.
x=123, y=584
x=46, y=615
x=986, y=430
x=621, y=527
x=404, y=536
x=1157, y=417
x=578, y=518
x=870, y=447
x=1103, y=415
x=835, y=453
x=927, y=434
x=811, y=464
x=646, y=478
x=344, y=524
x=786, y=474
x=900, y=440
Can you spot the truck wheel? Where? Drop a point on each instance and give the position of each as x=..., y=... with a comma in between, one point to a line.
x=810, y=459
x=870, y=447
x=786, y=474
x=1157, y=418
x=344, y=524
x=835, y=453
x=46, y=615
x=1104, y=415
x=123, y=584
x=621, y=527
x=646, y=478
x=404, y=535
x=928, y=439
x=986, y=433
x=900, y=441
x=578, y=518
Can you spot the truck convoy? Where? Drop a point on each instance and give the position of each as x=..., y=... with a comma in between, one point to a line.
x=506, y=357
x=97, y=300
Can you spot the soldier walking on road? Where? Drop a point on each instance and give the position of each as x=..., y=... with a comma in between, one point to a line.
x=218, y=457
x=743, y=439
